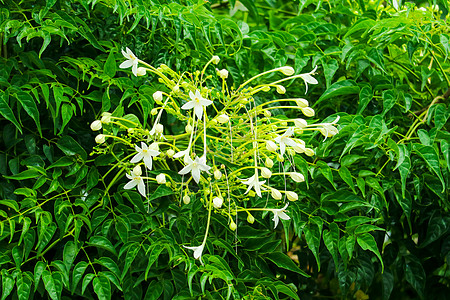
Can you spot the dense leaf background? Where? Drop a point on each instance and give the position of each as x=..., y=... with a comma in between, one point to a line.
x=372, y=218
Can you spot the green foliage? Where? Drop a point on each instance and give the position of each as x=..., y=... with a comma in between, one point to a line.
x=372, y=215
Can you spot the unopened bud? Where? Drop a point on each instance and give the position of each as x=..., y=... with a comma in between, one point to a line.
x=170, y=153
x=223, y=118
x=217, y=202
x=159, y=128
x=267, y=114
x=309, y=152
x=158, y=96
x=176, y=88
x=188, y=128
x=250, y=218
x=290, y=151
x=271, y=146
x=265, y=172
x=300, y=123
x=265, y=88
x=186, y=199
x=141, y=71
x=281, y=89
x=223, y=74
x=233, y=226
x=268, y=163
x=301, y=102
x=215, y=59
x=292, y=196
x=96, y=125
x=297, y=177
x=137, y=171
x=153, y=146
x=154, y=111
x=161, y=178
x=217, y=174
x=100, y=139
x=308, y=111
x=287, y=70
x=276, y=194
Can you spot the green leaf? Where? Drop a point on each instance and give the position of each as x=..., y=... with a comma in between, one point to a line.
x=102, y=242
x=102, y=287
x=416, y=276
x=45, y=236
x=7, y=284
x=110, y=264
x=69, y=253
x=326, y=171
x=340, y=88
x=376, y=57
x=429, y=155
x=86, y=280
x=312, y=235
x=7, y=112
x=30, y=107
x=367, y=242
x=66, y=114
x=70, y=147
x=437, y=227
x=283, y=261
x=331, y=240
x=23, y=282
x=388, y=284
x=27, y=174
x=49, y=284
x=38, y=269
x=345, y=174
x=365, y=95
x=154, y=290
x=329, y=69
x=78, y=272
x=389, y=100
x=361, y=25
x=110, y=65
x=129, y=258
x=161, y=191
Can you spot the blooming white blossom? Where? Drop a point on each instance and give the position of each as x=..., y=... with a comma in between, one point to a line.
x=161, y=178
x=253, y=182
x=217, y=202
x=279, y=214
x=195, y=166
x=222, y=73
x=328, y=129
x=307, y=78
x=136, y=180
x=96, y=125
x=197, y=251
x=145, y=153
x=285, y=140
x=132, y=61
x=237, y=6
x=197, y=103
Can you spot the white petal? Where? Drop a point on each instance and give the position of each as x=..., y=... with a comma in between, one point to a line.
x=134, y=69
x=148, y=161
x=126, y=64
x=130, y=184
x=137, y=158
x=188, y=105
x=283, y=215
x=282, y=148
x=185, y=170
x=198, y=109
x=141, y=187
x=275, y=219
x=196, y=174
x=205, y=102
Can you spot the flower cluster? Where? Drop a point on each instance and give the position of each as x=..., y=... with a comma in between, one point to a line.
x=232, y=148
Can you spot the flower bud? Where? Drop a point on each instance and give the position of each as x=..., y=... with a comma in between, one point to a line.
x=309, y=152
x=215, y=59
x=271, y=146
x=186, y=199
x=217, y=202
x=159, y=128
x=188, y=128
x=233, y=226
x=290, y=151
x=276, y=194
x=287, y=70
x=100, y=139
x=141, y=71
x=158, y=96
x=297, y=177
x=328, y=130
x=301, y=102
x=280, y=158
x=223, y=74
x=300, y=123
x=281, y=89
x=267, y=114
x=96, y=125
x=154, y=111
x=170, y=153
x=308, y=111
x=137, y=171
x=250, y=218
x=266, y=173
x=265, y=88
x=292, y=196
x=299, y=148
x=161, y=178
x=217, y=174
x=268, y=163
x=223, y=118
x=176, y=88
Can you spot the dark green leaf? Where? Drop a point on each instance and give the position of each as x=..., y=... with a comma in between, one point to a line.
x=102, y=287
x=367, y=242
x=30, y=107
x=7, y=112
x=70, y=147
x=283, y=261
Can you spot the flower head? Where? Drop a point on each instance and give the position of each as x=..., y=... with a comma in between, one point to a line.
x=253, y=182
x=285, y=140
x=96, y=125
x=161, y=178
x=197, y=251
x=132, y=61
x=145, y=153
x=309, y=79
x=279, y=214
x=136, y=180
x=197, y=103
x=195, y=166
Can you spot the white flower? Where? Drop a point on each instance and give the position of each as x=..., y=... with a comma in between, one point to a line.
x=158, y=96
x=265, y=172
x=186, y=199
x=197, y=102
x=297, y=177
x=222, y=73
x=253, y=182
x=223, y=118
x=161, y=178
x=184, y=154
x=132, y=61
x=292, y=196
x=215, y=59
x=328, y=130
x=287, y=70
x=309, y=79
x=100, y=139
x=145, y=153
x=136, y=180
x=217, y=202
x=197, y=251
x=271, y=146
x=195, y=166
x=237, y=6
x=217, y=174
x=141, y=71
x=276, y=194
x=285, y=140
x=96, y=125
x=279, y=214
